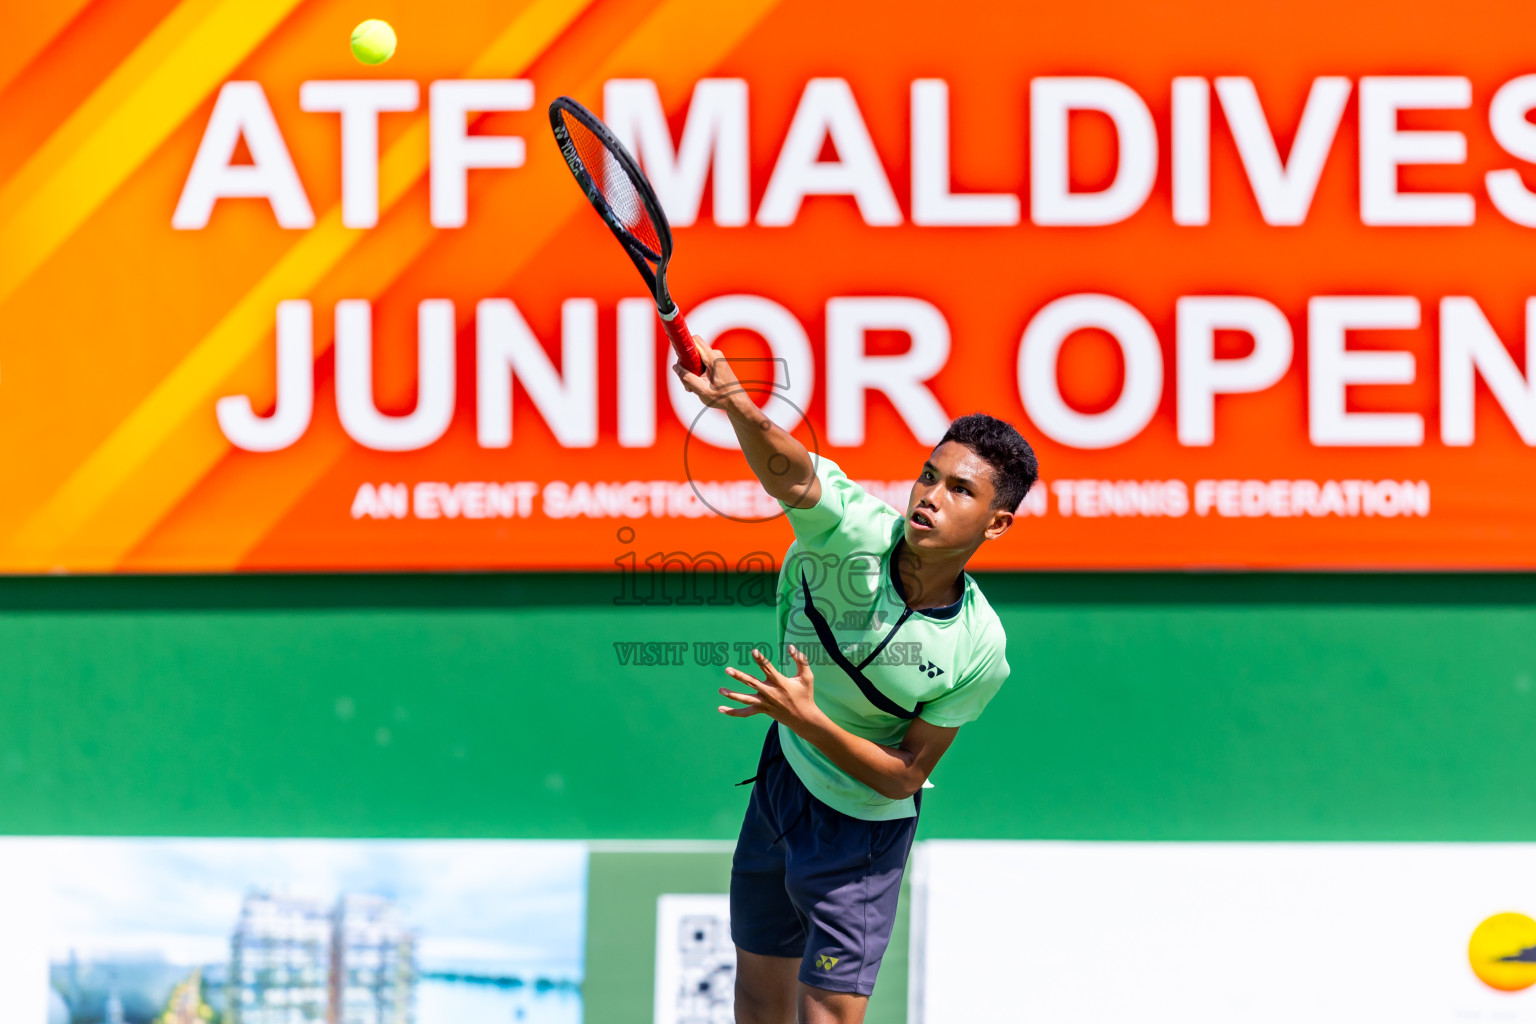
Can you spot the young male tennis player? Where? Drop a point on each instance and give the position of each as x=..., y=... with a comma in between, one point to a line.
x=907, y=651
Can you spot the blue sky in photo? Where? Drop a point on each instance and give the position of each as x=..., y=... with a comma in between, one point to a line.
x=489, y=906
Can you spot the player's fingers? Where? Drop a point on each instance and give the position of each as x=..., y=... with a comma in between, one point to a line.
x=763, y=663
x=740, y=712
x=710, y=357
x=741, y=698
x=742, y=677
x=692, y=381
x=801, y=661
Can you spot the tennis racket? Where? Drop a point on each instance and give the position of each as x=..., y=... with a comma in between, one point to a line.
x=618, y=190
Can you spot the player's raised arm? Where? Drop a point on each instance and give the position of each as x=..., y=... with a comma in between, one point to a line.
x=783, y=466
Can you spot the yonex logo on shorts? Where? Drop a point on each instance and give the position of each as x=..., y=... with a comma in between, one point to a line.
x=931, y=669
x=825, y=962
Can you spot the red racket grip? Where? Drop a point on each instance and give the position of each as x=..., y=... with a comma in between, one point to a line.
x=682, y=342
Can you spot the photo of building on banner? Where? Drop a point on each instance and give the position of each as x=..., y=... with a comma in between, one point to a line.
x=129, y=931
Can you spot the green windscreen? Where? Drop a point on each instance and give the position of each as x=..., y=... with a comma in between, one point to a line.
x=1141, y=707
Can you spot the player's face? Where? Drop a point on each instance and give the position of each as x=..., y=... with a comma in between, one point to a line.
x=950, y=508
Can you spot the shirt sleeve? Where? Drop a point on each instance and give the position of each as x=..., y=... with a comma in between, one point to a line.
x=847, y=519
x=965, y=701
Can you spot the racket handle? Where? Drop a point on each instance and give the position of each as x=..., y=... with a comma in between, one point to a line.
x=682, y=342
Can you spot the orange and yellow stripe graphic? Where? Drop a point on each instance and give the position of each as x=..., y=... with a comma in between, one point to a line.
x=150, y=455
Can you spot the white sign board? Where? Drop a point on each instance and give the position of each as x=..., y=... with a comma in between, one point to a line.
x=1221, y=933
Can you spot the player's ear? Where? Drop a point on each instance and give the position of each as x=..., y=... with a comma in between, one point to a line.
x=1002, y=519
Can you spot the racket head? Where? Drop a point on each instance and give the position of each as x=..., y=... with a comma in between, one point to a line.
x=618, y=190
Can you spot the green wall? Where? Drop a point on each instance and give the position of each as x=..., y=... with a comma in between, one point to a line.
x=1141, y=707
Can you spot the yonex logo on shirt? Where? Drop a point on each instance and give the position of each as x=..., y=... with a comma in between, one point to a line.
x=931, y=669
x=825, y=962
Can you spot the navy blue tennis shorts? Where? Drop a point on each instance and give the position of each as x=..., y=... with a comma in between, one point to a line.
x=813, y=883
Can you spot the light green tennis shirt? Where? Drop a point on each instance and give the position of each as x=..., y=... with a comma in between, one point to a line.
x=950, y=659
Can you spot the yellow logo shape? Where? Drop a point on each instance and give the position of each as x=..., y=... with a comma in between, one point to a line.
x=826, y=963
x=1502, y=952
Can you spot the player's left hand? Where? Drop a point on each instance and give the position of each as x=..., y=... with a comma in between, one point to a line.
x=786, y=699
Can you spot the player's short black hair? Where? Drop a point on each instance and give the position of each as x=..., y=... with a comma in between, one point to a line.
x=1014, y=466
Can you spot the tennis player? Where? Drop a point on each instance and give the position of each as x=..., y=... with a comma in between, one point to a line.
x=907, y=650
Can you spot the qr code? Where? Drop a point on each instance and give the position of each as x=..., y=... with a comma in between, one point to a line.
x=695, y=960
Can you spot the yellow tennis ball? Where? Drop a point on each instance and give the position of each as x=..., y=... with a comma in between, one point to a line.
x=373, y=42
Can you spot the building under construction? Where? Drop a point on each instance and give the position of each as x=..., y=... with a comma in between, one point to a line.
x=295, y=961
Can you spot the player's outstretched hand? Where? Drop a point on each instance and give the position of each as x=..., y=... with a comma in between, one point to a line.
x=788, y=700
x=719, y=380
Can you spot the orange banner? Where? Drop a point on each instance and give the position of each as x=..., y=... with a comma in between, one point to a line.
x=1255, y=280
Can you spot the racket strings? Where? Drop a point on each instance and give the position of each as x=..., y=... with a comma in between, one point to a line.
x=613, y=182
